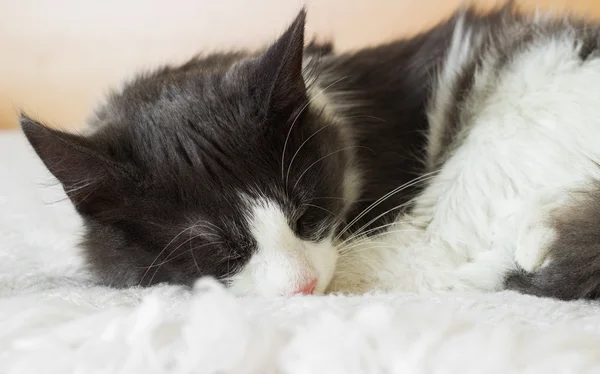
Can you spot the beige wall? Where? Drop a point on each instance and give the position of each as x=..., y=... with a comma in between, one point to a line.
x=56, y=61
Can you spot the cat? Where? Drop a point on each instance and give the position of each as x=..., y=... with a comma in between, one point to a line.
x=247, y=166
x=513, y=197
x=186, y=173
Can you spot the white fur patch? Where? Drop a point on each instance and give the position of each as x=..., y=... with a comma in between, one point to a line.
x=462, y=48
x=282, y=263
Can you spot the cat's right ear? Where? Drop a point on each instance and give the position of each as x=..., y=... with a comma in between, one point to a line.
x=83, y=171
x=279, y=69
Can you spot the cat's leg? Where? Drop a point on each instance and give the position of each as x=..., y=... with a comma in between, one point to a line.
x=567, y=240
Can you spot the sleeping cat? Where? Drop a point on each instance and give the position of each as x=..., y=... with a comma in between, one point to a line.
x=246, y=166
x=514, y=141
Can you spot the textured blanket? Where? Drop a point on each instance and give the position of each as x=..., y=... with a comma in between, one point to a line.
x=53, y=319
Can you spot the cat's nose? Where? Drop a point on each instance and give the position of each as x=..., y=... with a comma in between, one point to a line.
x=307, y=289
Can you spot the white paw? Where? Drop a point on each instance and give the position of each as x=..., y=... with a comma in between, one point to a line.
x=536, y=234
x=485, y=272
x=533, y=244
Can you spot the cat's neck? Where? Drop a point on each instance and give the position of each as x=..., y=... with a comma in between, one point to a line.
x=377, y=98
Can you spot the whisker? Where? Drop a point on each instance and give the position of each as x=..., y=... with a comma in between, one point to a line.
x=362, y=240
x=211, y=224
x=88, y=195
x=289, y=168
x=168, y=258
x=340, y=120
x=79, y=186
x=328, y=197
x=189, y=240
x=346, y=255
x=165, y=248
x=368, y=116
x=322, y=158
x=356, y=235
x=354, y=245
x=161, y=252
x=396, y=190
x=358, y=232
x=195, y=262
x=228, y=264
x=179, y=255
x=182, y=253
x=325, y=210
x=321, y=92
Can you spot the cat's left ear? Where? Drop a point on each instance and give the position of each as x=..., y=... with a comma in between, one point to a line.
x=279, y=69
x=86, y=174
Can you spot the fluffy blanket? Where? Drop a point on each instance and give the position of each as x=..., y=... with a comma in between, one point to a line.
x=53, y=319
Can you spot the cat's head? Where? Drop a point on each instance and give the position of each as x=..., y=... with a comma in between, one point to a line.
x=219, y=167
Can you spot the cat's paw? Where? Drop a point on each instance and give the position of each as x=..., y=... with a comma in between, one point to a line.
x=485, y=271
x=536, y=233
x=533, y=244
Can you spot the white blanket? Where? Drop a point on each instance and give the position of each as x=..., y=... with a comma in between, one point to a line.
x=54, y=320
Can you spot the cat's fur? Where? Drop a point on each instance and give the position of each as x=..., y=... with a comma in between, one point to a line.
x=514, y=143
x=242, y=166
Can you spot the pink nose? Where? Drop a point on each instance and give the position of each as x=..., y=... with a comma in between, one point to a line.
x=306, y=289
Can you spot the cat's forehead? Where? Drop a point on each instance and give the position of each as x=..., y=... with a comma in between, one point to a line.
x=196, y=115
x=192, y=92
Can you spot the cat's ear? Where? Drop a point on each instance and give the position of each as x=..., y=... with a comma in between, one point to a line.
x=279, y=69
x=86, y=175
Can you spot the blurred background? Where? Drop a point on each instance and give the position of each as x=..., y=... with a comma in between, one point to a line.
x=57, y=58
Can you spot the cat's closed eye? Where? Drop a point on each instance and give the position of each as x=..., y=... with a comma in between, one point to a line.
x=313, y=224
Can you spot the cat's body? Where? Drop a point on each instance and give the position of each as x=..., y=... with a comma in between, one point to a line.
x=514, y=142
x=243, y=166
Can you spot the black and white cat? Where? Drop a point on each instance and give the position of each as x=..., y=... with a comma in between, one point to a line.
x=242, y=166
